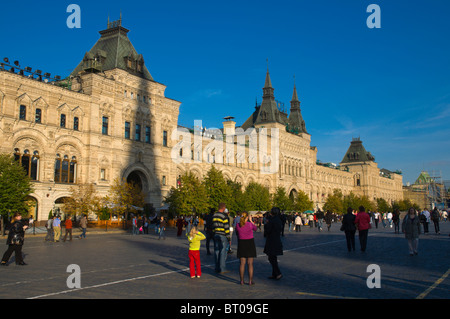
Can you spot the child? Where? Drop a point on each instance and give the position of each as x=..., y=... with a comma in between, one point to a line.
x=194, y=238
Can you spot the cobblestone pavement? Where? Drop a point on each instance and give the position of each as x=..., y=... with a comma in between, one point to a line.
x=315, y=265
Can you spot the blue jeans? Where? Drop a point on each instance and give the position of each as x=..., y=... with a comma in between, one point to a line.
x=220, y=252
x=162, y=233
x=83, y=234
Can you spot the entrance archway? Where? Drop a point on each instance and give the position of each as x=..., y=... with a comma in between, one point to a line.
x=139, y=179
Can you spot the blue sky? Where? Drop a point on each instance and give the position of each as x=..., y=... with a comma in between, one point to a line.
x=388, y=86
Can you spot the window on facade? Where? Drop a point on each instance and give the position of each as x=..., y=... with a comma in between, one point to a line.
x=62, y=122
x=103, y=174
x=76, y=123
x=165, y=138
x=138, y=132
x=164, y=180
x=127, y=130
x=65, y=169
x=23, y=112
x=147, y=134
x=29, y=162
x=38, y=116
x=105, y=125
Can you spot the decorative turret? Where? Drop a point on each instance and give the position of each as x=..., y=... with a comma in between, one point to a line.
x=296, y=124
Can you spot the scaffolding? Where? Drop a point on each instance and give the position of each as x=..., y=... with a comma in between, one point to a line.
x=437, y=194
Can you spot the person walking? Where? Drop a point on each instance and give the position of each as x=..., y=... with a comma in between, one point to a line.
x=134, y=225
x=273, y=246
x=83, y=225
x=221, y=231
x=298, y=223
x=15, y=240
x=48, y=225
x=68, y=227
x=209, y=230
x=425, y=219
x=162, y=228
x=396, y=221
x=328, y=219
x=246, y=250
x=56, y=228
x=435, y=217
x=349, y=228
x=362, y=222
x=195, y=237
x=411, y=229
x=376, y=218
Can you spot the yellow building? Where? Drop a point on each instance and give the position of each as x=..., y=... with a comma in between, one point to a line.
x=110, y=119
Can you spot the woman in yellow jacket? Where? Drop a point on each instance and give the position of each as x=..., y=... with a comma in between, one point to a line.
x=194, y=238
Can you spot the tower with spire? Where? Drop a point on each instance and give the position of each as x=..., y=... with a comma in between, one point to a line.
x=268, y=112
x=296, y=124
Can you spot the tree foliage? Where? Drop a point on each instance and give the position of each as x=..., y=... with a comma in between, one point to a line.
x=125, y=197
x=83, y=199
x=15, y=187
x=189, y=198
x=281, y=200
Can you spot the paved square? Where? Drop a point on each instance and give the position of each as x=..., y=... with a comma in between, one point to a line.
x=314, y=265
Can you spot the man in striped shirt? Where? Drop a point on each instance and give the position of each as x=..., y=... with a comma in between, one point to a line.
x=221, y=231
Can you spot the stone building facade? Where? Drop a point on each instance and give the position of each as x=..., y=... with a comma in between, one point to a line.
x=110, y=119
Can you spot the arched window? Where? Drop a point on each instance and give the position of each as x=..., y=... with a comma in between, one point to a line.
x=29, y=162
x=65, y=169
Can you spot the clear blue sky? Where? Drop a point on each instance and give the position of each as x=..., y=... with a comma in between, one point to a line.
x=388, y=86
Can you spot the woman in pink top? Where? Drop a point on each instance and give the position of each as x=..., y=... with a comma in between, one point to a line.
x=246, y=246
x=362, y=222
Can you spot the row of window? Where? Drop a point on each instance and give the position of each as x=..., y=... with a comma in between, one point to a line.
x=65, y=169
x=105, y=125
x=38, y=117
x=140, y=98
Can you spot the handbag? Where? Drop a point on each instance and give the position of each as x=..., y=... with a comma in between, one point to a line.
x=17, y=240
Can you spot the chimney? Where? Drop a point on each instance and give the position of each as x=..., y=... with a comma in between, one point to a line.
x=229, y=126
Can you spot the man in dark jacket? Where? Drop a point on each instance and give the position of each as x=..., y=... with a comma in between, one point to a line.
x=273, y=246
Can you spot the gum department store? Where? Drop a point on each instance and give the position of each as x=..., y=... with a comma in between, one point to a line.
x=111, y=119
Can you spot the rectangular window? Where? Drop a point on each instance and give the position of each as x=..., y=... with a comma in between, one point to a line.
x=147, y=134
x=127, y=130
x=102, y=174
x=38, y=117
x=62, y=122
x=76, y=123
x=164, y=180
x=105, y=125
x=165, y=138
x=138, y=132
x=23, y=112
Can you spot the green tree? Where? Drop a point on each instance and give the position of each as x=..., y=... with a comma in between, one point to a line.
x=237, y=202
x=190, y=197
x=382, y=205
x=281, y=200
x=217, y=189
x=335, y=202
x=15, y=187
x=257, y=197
x=302, y=202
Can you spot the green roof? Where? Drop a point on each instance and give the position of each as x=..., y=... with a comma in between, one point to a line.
x=113, y=50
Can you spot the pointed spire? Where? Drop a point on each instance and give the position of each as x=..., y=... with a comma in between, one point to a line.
x=294, y=95
x=268, y=89
x=268, y=83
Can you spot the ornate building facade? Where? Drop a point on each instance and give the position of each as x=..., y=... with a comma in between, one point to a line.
x=110, y=119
